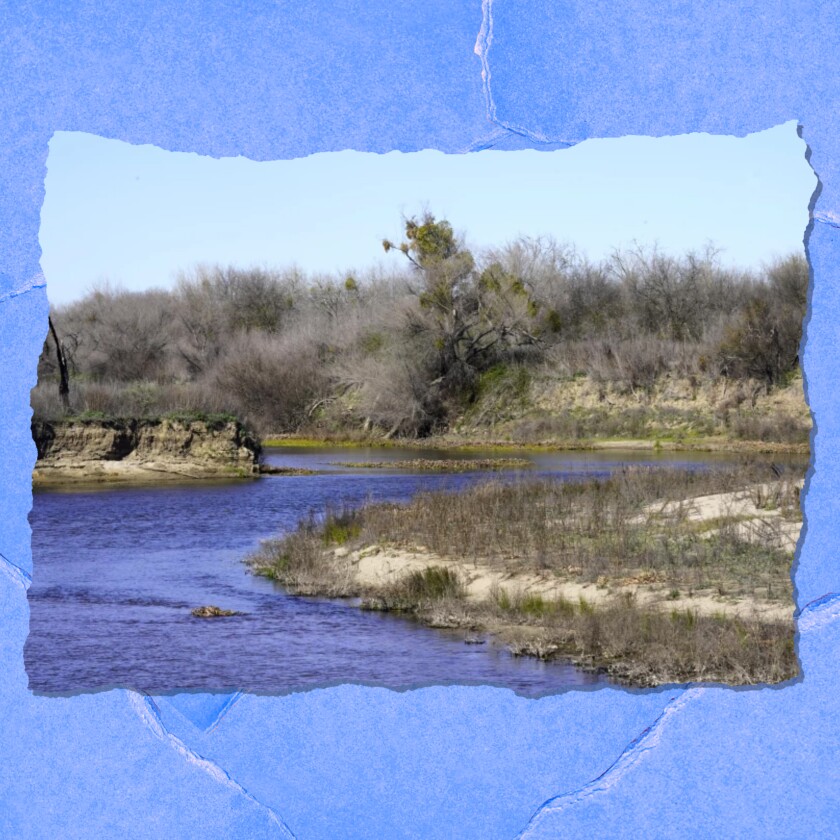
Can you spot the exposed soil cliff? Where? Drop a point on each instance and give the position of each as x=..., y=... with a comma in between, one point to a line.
x=671, y=410
x=143, y=450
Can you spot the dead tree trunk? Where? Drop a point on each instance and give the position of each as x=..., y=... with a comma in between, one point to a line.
x=64, y=381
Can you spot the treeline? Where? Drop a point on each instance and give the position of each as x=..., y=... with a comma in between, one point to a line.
x=405, y=352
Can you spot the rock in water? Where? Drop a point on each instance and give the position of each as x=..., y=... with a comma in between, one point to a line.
x=212, y=612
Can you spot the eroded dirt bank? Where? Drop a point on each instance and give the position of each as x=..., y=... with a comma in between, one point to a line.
x=143, y=450
x=561, y=412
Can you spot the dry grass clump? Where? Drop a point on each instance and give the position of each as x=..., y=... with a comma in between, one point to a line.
x=648, y=647
x=432, y=592
x=630, y=423
x=782, y=494
x=301, y=565
x=431, y=584
x=99, y=400
x=601, y=527
x=636, y=528
x=779, y=427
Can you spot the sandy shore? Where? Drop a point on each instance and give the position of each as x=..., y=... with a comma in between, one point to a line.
x=691, y=590
x=372, y=567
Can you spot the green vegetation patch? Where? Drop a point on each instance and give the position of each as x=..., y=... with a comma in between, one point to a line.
x=432, y=584
x=340, y=528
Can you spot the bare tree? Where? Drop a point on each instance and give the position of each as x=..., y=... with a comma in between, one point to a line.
x=64, y=377
x=472, y=317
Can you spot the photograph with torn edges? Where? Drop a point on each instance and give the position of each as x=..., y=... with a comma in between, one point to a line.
x=525, y=419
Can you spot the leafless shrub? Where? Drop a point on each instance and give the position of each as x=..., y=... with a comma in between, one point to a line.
x=675, y=297
x=762, y=339
x=270, y=381
x=650, y=647
x=117, y=335
x=405, y=352
x=779, y=427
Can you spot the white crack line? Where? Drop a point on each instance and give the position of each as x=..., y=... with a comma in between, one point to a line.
x=483, y=42
x=232, y=701
x=489, y=141
x=37, y=282
x=632, y=754
x=827, y=217
x=814, y=616
x=148, y=713
x=819, y=613
x=16, y=574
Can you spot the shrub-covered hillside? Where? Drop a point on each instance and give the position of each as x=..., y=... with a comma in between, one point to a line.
x=447, y=338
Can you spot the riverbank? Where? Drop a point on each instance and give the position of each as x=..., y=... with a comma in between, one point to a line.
x=457, y=443
x=148, y=450
x=548, y=411
x=545, y=412
x=652, y=576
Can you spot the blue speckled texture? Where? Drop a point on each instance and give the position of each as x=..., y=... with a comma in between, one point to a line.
x=274, y=80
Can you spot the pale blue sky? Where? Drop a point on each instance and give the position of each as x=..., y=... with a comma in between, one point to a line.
x=135, y=215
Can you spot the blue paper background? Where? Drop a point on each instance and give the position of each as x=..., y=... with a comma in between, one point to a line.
x=281, y=79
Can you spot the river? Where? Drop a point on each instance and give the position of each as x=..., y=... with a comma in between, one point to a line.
x=117, y=571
